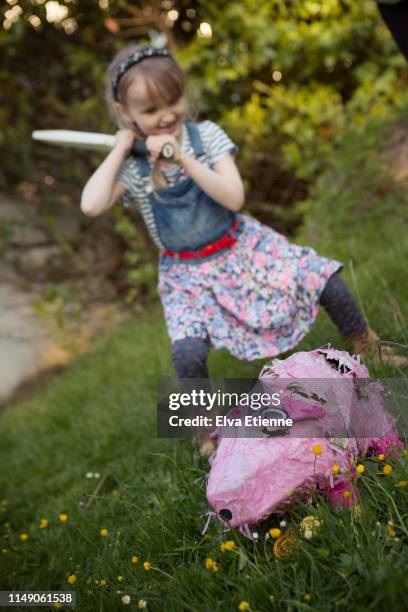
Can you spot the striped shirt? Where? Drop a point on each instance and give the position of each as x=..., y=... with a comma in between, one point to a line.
x=216, y=145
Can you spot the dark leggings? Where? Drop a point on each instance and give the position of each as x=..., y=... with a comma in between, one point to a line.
x=190, y=354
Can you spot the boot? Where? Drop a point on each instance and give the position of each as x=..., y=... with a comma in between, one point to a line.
x=368, y=345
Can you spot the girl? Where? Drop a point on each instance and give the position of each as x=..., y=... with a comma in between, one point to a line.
x=225, y=279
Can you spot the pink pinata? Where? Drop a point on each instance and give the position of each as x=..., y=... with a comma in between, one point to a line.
x=252, y=477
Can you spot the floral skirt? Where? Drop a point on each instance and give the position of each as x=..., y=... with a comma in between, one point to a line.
x=257, y=299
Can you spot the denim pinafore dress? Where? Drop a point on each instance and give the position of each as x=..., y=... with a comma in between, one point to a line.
x=186, y=217
x=256, y=298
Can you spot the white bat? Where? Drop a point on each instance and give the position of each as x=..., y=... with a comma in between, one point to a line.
x=93, y=141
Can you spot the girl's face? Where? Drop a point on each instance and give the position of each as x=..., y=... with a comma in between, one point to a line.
x=152, y=117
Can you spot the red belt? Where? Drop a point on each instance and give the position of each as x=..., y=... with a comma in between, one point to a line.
x=225, y=240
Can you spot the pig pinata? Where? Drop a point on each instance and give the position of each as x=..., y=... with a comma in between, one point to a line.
x=337, y=414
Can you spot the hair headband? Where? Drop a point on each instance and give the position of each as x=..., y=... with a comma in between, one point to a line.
x=133, y=59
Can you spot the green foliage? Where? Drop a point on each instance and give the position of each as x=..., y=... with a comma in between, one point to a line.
x=289, y=77
x=285, y=79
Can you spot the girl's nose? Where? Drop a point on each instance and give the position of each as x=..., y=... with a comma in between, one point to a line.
x=167, y=118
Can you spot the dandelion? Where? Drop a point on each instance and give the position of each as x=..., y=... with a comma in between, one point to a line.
x=147, y=565
x=142, y=604
x=120, y=578
x=357, y=512
x=103, y=532
x=43, y=523
x=228, y=545
x=126, y=600
x=387, y=469
x=244, y=605
x=282, y=524
x=103, y=582
x=391, y=531
x=275, y=532
x=317, y=449
x=63, y=517
x=381, y=457
x=360, y=469
x=134, y=559
x=23, y=537
x=307, y=597
x=210, y=564
x=72, y=579
x=402, y=483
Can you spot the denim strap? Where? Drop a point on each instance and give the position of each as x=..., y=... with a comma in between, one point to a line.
x=195, y=139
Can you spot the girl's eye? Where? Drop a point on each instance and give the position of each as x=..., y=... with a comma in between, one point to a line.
x=150, y=111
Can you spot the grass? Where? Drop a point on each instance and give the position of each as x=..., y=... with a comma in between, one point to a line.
x=99, y=416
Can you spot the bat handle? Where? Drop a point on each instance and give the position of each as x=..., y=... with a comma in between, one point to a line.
x=139, y=148
x=167, y=151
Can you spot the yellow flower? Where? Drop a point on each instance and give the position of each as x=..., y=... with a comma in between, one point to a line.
x=244, y=605
x=4, y=551
x=387, y=469
x=391, y=531
x=72, y=579
x=357, y=512
x=210, y=564
x=275, y=532
x=57, y=605
x=63, y=517
x=335, y=468
x=309, y=523
x=147, y=565
x=381, y=457
x=228, y=545
x=103, y=532
x=317, y=449
x=103, y=582
x=135, y=559
x=346, y=494
x=44, y=524
x=360, y=468
x=307, y=597
x=405, y=452
x=23, y=536
x=120, y=578
x=402, y=483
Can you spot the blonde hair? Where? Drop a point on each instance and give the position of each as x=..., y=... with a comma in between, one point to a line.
x=165, y=82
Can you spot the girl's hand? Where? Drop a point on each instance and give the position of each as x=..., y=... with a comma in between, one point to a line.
x=155, y=144
x=124, y=140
